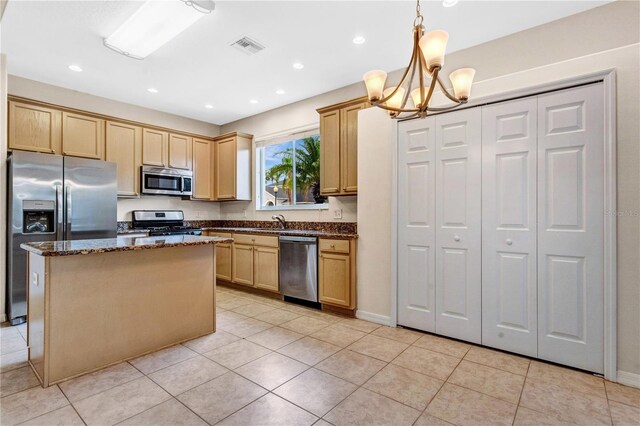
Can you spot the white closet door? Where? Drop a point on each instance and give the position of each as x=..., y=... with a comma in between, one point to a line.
x=416, y=224
x=458, y=210
x=571, y=226
x=509, y=267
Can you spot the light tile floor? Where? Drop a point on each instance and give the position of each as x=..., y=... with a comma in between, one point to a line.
x=271, y=362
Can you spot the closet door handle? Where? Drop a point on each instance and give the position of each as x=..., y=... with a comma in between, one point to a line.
x=508, y=241
x=456, y=238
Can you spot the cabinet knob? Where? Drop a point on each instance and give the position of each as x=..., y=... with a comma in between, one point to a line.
x=456, y=238
x=508, y=241
x=332, y=246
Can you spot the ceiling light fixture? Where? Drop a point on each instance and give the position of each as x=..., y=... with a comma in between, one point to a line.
x=208, y=106
x=298, y=65
x=449, y=3
x=75, y=68
x=154, y=24
x=152, y=90
x=427, y=60
x=359, y=40
x=253, y=101
x=280, y=92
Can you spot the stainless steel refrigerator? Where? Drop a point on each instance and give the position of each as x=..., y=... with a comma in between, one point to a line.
x=52, y=197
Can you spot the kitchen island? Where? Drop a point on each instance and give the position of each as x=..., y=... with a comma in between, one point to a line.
x=93, y=303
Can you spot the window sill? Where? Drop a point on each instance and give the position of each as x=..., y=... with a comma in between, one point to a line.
x=299, y=207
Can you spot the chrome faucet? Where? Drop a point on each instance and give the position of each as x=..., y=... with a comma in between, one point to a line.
x=280, y=219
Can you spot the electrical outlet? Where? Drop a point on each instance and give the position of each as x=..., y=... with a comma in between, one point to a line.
x=36, y=279
x=337, y=214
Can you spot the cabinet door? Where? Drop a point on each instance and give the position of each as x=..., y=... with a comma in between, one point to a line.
x=509, y=282
x=225, y=169
x=34, y=128
x=154, y=148
x=458, y=210
x=179, y=151
x=266, y=268
x=242, y=260
x=82, y=136
x=202, y=169
x=124, y=147
x=223, y=261
x=330, y=153
x=334, y=276
x=349, y=148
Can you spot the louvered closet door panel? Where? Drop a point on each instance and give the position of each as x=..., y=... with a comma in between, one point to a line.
x=571, y=227
x=509, y=286
x=458, y=210
x=416, y=224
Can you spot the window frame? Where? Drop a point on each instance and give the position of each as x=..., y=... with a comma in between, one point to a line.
x=260, y=145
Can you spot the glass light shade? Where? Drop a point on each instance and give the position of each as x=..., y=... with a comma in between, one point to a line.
x=415, y=95
x=433, y=45
x=374, y=80
x=396, y=100
x=461, y=79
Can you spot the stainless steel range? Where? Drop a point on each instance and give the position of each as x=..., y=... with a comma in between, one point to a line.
x=162, y=222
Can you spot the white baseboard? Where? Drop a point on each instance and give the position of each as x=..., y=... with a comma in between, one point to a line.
x=629, y=379
x=371, y=317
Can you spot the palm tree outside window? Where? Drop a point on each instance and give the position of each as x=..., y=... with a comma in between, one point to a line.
x=293, y=167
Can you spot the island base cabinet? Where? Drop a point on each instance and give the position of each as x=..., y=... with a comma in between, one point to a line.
x=336, y=273
x=90, y=311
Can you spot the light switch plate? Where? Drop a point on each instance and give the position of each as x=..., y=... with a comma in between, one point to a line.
x=337, y=214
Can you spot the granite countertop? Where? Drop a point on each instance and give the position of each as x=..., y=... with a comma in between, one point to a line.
x=297, y=232
x=106, y=245
x=132, y=231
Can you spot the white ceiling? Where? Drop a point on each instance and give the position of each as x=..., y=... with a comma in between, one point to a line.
x=42, y=38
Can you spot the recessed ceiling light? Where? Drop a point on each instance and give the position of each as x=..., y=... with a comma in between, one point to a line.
x=449, y=3
x=208, y=106
x=280, y=92
x=298, y=65
x=75, y=68
x=152, y=90
x=359, y=40
x=253, y=101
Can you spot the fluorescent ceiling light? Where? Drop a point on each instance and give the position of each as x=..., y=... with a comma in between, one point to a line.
x=154, y=24
x=75, y=68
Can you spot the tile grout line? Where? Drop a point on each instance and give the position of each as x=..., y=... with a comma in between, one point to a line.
x=71, y=404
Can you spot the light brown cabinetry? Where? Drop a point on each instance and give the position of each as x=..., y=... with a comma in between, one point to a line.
x=265, y=260
x=232, y=167
x=223, y=256
x=34, y=128
x=203, y=184
x=255, y=261
x=82, y=136
x=155, y=147
x=242, y=260
x=124, y=147
x=337, y=273
x=180, y=151
x=339, y=147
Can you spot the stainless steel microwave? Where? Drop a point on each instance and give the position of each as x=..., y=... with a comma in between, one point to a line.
x=162, y=181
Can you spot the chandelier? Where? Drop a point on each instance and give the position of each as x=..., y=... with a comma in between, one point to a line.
x=427, y=60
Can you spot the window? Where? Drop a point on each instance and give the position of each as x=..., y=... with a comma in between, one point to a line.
x=289, y=173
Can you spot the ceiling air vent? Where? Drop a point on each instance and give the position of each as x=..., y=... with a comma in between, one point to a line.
x=247, y=45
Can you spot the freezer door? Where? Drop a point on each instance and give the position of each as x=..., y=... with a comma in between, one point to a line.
x=90, y=199
x=32, y=182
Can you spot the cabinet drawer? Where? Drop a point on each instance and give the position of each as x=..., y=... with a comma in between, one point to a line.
x=258, y=240
x=338, y=246
x=218, y=234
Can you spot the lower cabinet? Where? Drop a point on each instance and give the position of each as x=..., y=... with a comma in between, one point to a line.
x=242, y=259
x=223, y=256
x=265, y=263
x=337, y=273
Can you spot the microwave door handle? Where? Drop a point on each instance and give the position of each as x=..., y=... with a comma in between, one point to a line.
x=59, y=213
x=181, y=183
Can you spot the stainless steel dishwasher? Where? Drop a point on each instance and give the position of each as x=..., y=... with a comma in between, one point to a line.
x=299, y=267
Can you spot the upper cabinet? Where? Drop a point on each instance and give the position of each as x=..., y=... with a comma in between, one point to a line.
x=203, y=151
x=34, y=128
x=124, y=147
x=180, y=151
x=232, y=167
x=339, y=147
x=155, y=148
x=82, y=136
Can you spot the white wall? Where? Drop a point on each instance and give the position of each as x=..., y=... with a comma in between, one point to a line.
x=567, y=48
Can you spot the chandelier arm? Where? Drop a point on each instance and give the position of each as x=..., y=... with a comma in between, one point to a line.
x=398, y=110
x=446, y=92
x=423, y=101
x=404, y=76
x=414, y=56
x=440, y=109
x=432, y=87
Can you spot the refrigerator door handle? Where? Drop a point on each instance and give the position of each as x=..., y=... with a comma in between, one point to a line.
x=69, y=210
x=59, y=213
